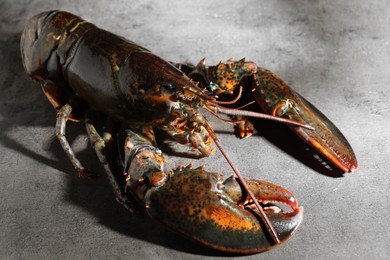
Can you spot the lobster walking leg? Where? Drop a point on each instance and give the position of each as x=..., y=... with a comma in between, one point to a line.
x=99, y=144
x=57, y=96
x=62, y=117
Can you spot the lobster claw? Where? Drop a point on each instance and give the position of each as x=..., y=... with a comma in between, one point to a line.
x=198, y=205
x=277, y=98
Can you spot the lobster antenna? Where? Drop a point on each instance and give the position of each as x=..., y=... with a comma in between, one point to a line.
x=221, y=118
x=247, y=104
x=262, y=214
x=235, y=112
x=231, y=101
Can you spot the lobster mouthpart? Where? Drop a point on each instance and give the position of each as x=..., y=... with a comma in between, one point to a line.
x=198, y=205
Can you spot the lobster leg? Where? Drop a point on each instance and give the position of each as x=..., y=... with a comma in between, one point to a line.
x=69, y=107
x=57, y=96
x=99, y=144
x=62, y=117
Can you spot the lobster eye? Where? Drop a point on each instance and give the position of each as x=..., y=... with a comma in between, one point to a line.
x=180, y=95
x=167, y=86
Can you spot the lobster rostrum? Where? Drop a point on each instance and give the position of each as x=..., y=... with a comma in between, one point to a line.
x=82, y=68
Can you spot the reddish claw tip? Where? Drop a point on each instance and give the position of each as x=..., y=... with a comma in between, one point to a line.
x=353, y=167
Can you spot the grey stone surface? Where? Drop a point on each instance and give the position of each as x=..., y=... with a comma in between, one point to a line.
x=335, y=53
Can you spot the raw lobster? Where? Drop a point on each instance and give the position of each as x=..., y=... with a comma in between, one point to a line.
x=82, y=68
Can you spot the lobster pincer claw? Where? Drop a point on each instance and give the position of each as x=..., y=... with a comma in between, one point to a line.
x=277, y=98
x=200, y=206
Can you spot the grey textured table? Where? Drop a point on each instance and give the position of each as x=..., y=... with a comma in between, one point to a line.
x=335, y=53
